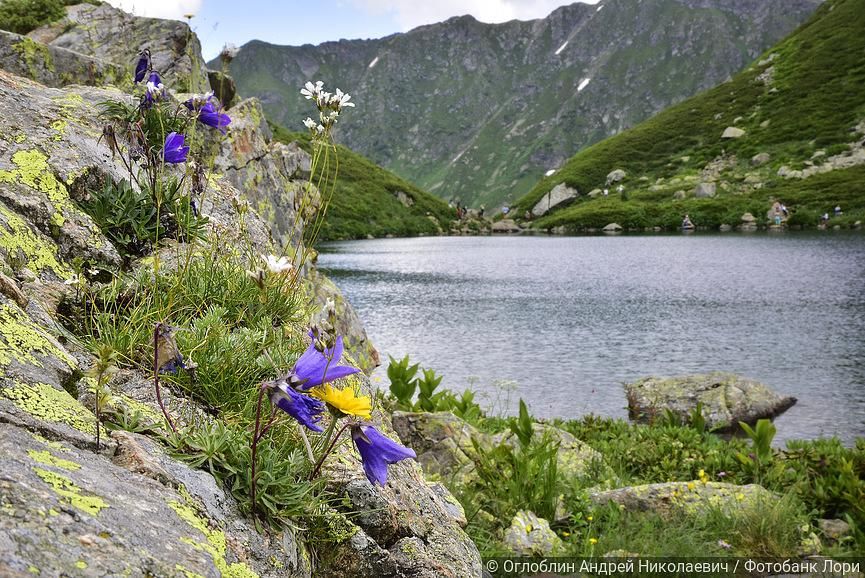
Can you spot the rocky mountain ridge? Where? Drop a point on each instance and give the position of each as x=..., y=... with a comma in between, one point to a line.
x=481, y=111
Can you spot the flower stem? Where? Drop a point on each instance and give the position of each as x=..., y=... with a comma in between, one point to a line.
x=156, y=377
x=254, y=446
x=329, y=448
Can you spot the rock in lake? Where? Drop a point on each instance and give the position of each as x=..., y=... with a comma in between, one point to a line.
x=726, y=398
x=612, y=228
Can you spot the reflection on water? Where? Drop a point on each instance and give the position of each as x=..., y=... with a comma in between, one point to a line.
x=569, y=319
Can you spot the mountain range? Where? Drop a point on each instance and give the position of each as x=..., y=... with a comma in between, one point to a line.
x=480, y=112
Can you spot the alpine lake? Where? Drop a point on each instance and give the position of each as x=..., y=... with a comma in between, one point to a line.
x=564, y=322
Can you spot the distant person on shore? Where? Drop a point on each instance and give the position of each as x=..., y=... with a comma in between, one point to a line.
x=481, y=210
x=606, y=192
x=838, y=211
x=505, y=210
x=784, y=210
x=686, y=222
x=825, y=218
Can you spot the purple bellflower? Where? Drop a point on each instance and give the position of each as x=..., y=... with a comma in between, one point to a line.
x=209, y=113
x=174, y=151
x=377, y=451
x=305, y=409
x=154, y=90
x=315, y=367
x=143, y=65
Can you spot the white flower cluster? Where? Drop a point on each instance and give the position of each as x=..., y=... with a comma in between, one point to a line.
x=329, y=106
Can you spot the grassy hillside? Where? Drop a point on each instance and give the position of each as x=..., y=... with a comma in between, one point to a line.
x=800, y=103
x=365, y=201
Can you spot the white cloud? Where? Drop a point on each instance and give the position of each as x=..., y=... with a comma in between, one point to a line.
x=172, y=9
x=411, y=13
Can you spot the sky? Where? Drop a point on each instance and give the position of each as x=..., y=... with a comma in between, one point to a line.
x=295, y=22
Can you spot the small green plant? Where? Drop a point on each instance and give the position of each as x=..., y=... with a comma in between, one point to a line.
x=427, y=386
x=402, y=380
x=522, y=426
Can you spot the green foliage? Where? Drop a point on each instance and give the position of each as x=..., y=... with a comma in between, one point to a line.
x=223, y=450
x=404, y=384
x=522, y=426
x=511, y=478
x=365, y=200
x=22, y=16
x=761, y=439
x=426, y=390
x=813, y=103
x=402, y=381
x=135, y=220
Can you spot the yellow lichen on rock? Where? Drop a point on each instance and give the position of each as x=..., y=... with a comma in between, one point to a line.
x=33, y=171
x=70, y=493
x=21, y=340
x=214, y=545
x=49, y=459
x=17, y=238
x=44, y=402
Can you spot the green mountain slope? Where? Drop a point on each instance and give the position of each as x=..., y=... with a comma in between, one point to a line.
x=481, y=111
x=370, y=200
x=802, y=104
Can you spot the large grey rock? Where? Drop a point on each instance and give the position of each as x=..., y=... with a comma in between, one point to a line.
x=411, y=528
x=114, y=36
x=731, y=132
x=52, y=65
x=726, y=399
x=616, y=176
x=529, y=535
x=66, y=508
x=705, y=190
x=505, y=226
x=612, y=228
x=674, y=499
x=557, y=195
x=442, y=441
x=760, y=159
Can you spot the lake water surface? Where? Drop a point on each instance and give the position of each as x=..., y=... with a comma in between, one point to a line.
x=566, y=320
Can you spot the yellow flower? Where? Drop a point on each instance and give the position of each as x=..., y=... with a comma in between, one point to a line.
x=593, y=541
x=703, y=477
x=589, y=518
x=740, y=497
x=344, y=400
x=690, y=486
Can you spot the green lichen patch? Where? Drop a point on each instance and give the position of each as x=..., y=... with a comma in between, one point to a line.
x=49, y=459
x=21, y=340
x=52, y=405
x=34, y=55
x=214, y=544
x=18, y=240
x=70, y=493
x=56, y=446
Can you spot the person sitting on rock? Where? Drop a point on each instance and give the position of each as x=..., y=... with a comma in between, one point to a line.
x=686, y=222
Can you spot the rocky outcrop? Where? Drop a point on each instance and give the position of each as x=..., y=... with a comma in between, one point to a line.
x=612, y=228
x=111, y=35
x=726, y=399
x=53, y=65
x=559, y=194
x=705, y=190
x=130, y=508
